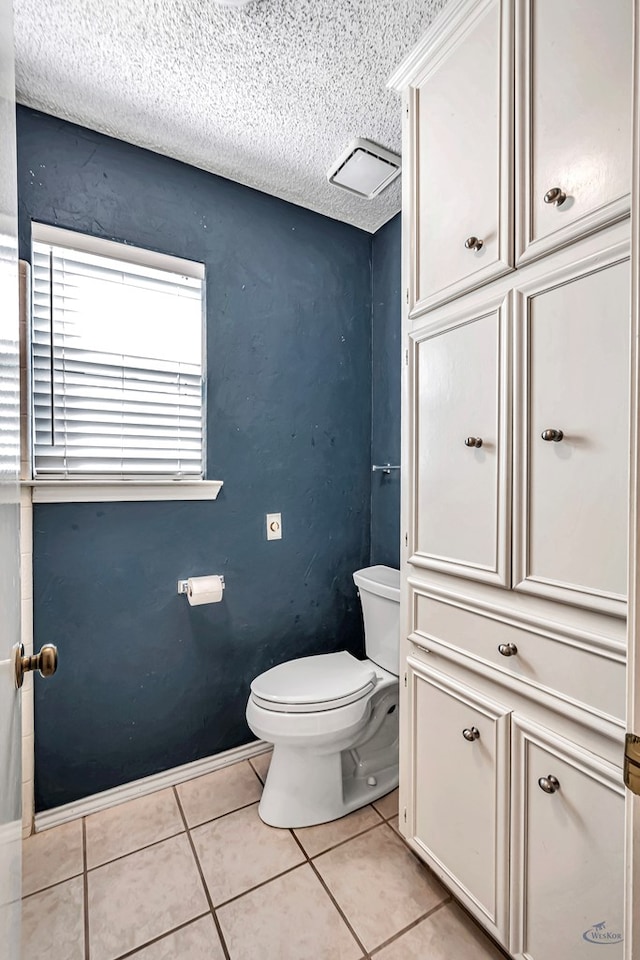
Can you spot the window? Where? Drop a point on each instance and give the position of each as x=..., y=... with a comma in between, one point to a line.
x=116, y=366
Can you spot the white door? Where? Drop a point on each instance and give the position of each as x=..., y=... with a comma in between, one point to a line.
x=462, y=138
x=574, y=74
x=572, y=434
x=10, y=759
x=461, y=444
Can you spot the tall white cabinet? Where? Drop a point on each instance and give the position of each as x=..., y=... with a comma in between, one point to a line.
x=516, y=406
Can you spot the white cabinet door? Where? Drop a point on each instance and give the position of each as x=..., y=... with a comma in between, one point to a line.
x=460, y=787
x=461, y=444
x=573, y=109
x=461, y=166
x=573, y=378
x=567, y=890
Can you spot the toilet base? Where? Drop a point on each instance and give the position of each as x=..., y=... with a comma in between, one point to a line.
x=303, y=790
x=309, y=785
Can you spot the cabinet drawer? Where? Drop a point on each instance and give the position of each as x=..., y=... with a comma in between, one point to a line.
x=460, y=783
x=595, y=679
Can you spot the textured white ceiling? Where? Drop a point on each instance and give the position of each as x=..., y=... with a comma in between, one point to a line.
x=268, y=94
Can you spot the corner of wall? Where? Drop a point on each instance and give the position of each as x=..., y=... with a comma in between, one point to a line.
x=26, y=567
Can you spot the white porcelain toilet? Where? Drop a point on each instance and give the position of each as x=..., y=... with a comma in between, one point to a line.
x=332, y=719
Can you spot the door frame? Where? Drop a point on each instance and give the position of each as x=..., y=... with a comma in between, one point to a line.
x=10, y=700
x=632, y=819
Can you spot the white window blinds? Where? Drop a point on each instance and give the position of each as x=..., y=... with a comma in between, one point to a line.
x=117, y=378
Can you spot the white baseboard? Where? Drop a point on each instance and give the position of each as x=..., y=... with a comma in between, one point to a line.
x=138, y=788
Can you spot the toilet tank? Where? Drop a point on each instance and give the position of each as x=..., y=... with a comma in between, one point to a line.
x=379, y=589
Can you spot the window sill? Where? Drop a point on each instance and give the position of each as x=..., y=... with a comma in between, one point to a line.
x=104, y=491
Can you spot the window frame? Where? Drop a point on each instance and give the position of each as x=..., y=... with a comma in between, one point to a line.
x=102, y=489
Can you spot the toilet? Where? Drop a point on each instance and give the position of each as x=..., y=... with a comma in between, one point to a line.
x=333, y=719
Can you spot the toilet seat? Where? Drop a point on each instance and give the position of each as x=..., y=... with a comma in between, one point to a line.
x=314, y=684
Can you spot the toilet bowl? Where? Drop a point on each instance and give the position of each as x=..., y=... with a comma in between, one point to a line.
x=333, y=719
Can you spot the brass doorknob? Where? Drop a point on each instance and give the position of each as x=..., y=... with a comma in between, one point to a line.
x=555, y=196
x=474, y=243
x=555, y=435
x=471, y=734
x=549, y=784
x=473, y=442
x=46, y=662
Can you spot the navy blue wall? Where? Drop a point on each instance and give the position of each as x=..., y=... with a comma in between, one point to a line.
x=146, y=682
x=386, y=374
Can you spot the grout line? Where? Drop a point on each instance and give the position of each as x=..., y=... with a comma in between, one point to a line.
x=449, y=899
x=256, y=772
x=223, y=942
x=418, y=860
x=367, y=955
x=50, y=886
x=263, y=883
x=155, y=843
x=130, y=853
x=502, y=950
x=333, y=899
x=148, y=943
x=85, y=882
x=341, y=843
x=410, y=926
x=194, y=826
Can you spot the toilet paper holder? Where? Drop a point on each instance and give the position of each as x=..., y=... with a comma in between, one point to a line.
x=183, y=585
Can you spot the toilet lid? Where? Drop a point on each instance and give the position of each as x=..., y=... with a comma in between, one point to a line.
x=314, y=683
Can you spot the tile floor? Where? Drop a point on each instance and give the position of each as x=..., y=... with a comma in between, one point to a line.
x=192, y=873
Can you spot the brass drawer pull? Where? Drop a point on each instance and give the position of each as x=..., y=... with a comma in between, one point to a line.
x=471, y=734
x=474, y=243
x=555, y=196
x=549, y=784
x=507, y=649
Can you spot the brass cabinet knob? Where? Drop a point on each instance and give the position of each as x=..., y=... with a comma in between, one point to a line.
x=507, y=649
x=471, y=734
x=549, y=784
x=46, y=662
x=555, y=196
x=474, y=243
x=473, y=442
x=555, y=435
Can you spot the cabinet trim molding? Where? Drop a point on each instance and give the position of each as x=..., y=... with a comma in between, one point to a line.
x=610, y=727
x=551, y=697
x=581, y=638
x=632, y=820
x=448, y=19
x=589, y=597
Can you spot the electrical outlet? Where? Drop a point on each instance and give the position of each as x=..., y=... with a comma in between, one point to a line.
x=274, y=526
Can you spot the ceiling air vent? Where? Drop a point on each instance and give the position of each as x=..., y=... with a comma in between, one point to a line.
x=365, y=169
